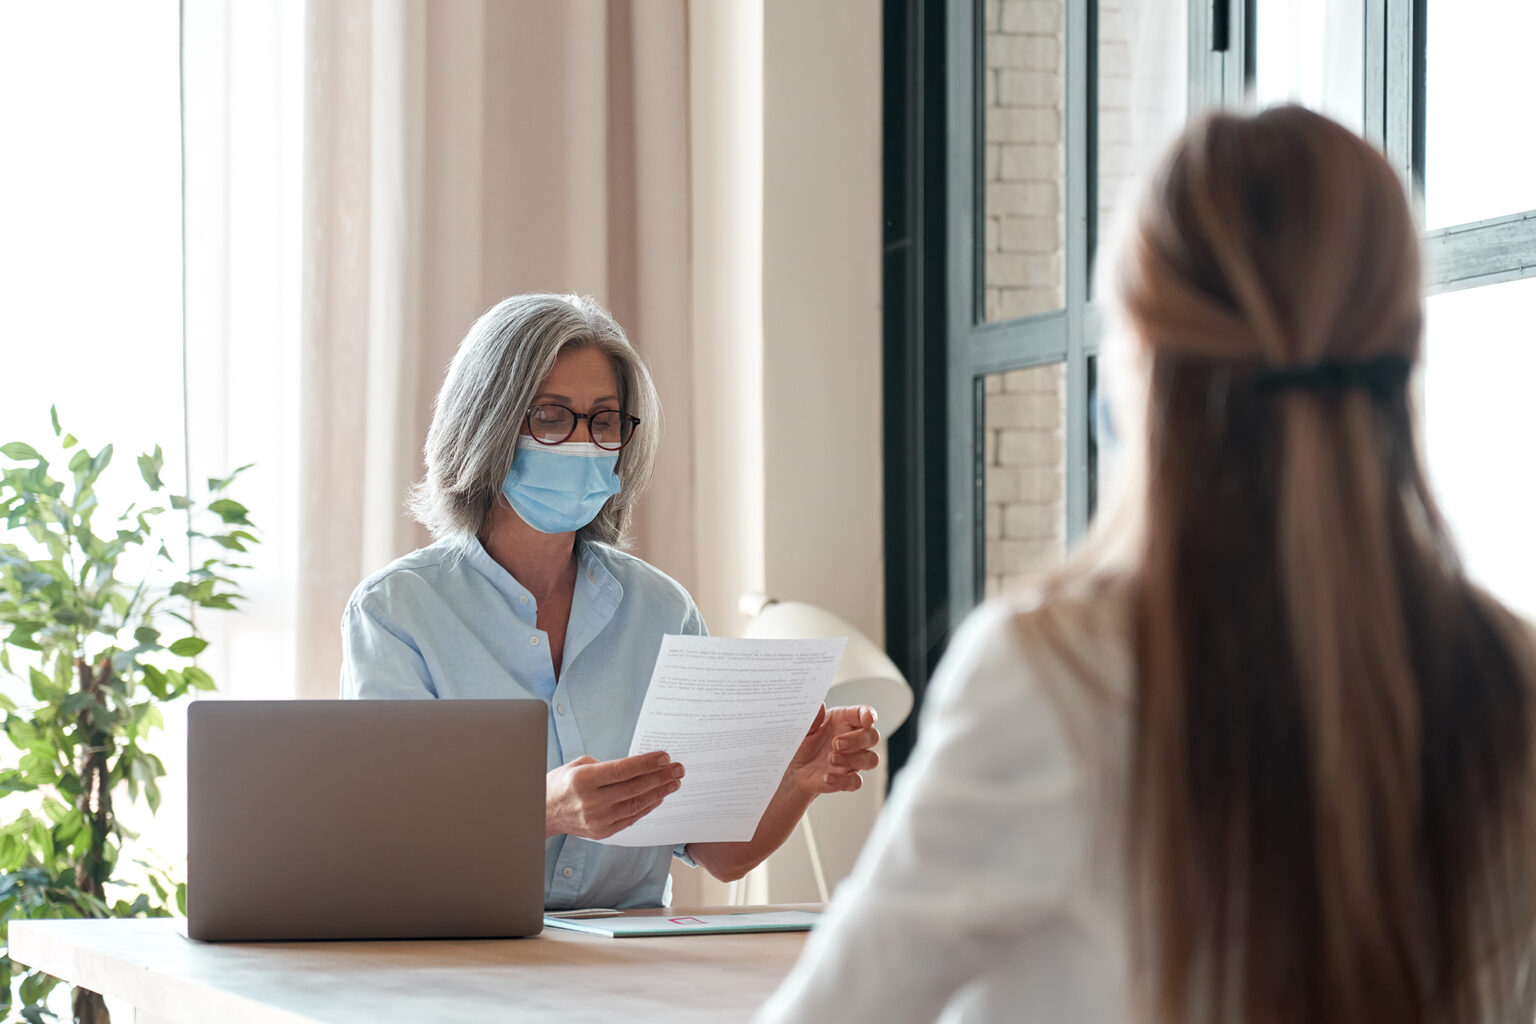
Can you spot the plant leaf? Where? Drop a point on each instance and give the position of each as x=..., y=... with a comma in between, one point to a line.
x=217, y=484
x=230, y=511
x=150, y=466
x=188, y=646
x=101, y=460
x=20, y=451
x=21, y=636
x=43, y=688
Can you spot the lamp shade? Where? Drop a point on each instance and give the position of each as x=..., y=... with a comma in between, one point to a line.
x=864, y=676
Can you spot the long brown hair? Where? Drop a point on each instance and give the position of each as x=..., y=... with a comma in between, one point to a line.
x=1331, y=779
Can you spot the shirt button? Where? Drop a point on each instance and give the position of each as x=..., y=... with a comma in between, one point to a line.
x=533, y=641
x=559, y=709
x=522, y=598
x=567, y=872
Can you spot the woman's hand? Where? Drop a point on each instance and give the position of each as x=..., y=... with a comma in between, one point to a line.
x=839, y=746
x=594, y=799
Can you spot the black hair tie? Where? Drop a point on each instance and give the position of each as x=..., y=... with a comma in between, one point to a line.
x=1382, y=377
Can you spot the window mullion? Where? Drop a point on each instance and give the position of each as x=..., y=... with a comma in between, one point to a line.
x=1482, y=253
x=1237, y=61
x=964, y=110
x=1080, y=168
x=1376, y=71
x=1219, y=77
x=1402, y=87
x=1205, y=64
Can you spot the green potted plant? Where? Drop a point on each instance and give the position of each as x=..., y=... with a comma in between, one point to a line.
x=97, y=631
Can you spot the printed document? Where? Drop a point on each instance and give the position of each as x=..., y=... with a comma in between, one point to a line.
x=732, y=713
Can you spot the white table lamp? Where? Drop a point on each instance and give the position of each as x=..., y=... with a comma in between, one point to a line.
x=865, y=675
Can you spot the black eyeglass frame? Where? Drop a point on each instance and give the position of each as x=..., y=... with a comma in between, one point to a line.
x=576, y=418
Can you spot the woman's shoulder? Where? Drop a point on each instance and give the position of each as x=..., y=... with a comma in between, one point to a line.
x=423, y=568
x=1087, y=625
x=1077, y=635
x=1048, y=674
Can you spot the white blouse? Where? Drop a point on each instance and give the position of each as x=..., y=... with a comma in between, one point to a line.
x=992, y=886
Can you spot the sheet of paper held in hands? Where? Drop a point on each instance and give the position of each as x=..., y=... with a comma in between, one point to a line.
x=732, y=712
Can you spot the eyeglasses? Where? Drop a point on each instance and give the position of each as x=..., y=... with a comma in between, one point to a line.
x=554, y=424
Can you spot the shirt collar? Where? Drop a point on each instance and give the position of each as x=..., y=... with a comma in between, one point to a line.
x=596, y=598
x=518, y=596
x=596, y=572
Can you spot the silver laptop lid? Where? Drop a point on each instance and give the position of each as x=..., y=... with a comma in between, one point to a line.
x=365, y=819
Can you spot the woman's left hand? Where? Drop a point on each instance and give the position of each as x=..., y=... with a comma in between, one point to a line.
x=839, y=745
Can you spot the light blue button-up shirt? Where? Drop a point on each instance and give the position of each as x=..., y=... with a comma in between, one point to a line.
x=448, y=622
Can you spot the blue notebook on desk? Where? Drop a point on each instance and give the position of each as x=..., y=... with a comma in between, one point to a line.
x=621, y=925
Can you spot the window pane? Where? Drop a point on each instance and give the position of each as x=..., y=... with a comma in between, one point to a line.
x=90, y=257
x=1312, y=52
x=1143, y=92
x=1025, y=454
x=1021, y=216
x=90, y=230
x=1479, y=362
x=1479, y=149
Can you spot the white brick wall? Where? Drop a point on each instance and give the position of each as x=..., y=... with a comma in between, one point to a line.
x=1022, y=241
x=1025, y=131
x=1024, y=452
x=1141, y=89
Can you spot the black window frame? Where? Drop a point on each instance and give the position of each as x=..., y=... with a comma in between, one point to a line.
x=937, y=349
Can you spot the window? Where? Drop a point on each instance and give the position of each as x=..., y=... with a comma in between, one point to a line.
x=1475, y=173
x=90, y=242
x=1045, y=109
x=1054, y=107
x=1030, y=118
x=90, y=253
x=1479, y=361
x=1478, y=162
x=1312, y=52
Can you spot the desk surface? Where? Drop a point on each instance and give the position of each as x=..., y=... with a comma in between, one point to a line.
x=559, y=975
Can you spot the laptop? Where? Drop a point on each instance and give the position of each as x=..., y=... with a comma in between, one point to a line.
x=360, y=819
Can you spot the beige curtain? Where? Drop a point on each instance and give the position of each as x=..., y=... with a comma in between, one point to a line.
x=454, y=154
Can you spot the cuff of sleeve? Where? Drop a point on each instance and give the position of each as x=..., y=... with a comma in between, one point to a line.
x=680, y=851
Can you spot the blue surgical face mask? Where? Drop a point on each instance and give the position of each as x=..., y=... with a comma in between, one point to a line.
x=560, y=488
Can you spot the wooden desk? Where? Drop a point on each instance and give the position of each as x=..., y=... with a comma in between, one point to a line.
x=557, y=976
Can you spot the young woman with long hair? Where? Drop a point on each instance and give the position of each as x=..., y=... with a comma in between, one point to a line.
x=1260, y=752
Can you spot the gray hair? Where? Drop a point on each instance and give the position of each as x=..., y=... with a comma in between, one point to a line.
x=478, y=415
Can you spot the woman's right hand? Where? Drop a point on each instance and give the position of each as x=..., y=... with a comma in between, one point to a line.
x=594, y=799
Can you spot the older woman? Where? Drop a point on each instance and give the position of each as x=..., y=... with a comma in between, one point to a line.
x=542, y=438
